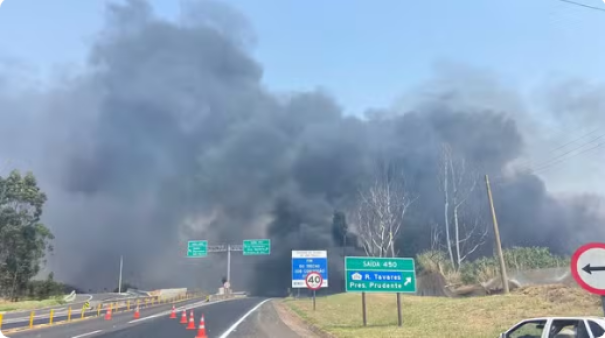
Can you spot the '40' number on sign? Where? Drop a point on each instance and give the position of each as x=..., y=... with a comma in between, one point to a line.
x=314, y=280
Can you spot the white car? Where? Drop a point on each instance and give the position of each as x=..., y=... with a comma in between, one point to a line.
x=558, y=327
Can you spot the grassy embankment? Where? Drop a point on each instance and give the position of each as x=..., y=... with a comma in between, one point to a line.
x=30, y=304
x=479, y=317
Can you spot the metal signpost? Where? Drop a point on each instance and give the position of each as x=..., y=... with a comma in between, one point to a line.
x=197, y=249
x=304, y=262
x=385, y=275
x=313, y=280
x=588, y=269
x=250, y=247
x=257, y=247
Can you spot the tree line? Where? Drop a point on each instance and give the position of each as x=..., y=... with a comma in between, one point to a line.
x=24, y=239
x=378, y=215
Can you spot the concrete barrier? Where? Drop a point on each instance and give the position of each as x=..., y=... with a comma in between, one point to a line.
x=69, y=298
x=168, y=293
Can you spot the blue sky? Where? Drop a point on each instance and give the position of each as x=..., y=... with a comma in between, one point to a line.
x=366, y=53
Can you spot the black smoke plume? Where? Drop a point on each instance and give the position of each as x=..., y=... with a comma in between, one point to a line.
x=169, y=135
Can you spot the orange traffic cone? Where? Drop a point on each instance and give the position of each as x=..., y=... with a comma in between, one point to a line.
x=201, y=331
x=137, y=313
x=108, y=313
x=191, y=325
x=184, y=317
x=173, y=313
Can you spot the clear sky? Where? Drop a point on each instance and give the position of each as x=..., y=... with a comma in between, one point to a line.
x=366, y=53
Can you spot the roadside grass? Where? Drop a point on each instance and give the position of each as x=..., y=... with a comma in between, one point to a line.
x=478, y=317
x=6, y=306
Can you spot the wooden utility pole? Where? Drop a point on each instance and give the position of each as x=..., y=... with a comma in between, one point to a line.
x=497, y=235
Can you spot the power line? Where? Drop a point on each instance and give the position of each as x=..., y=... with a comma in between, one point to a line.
x=583, y=5
x=595, y=143
x=597, y=146
x=528, y=164
x=564, y=156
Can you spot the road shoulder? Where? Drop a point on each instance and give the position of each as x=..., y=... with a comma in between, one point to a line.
x=296, y=323
x=272, y=319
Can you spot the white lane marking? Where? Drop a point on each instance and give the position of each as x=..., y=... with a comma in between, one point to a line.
x=234, y=326
x=179, y=309
x=87, y=334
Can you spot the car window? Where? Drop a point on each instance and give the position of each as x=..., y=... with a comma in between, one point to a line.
x=596, y=329
x=531, y=329
x=568, y=329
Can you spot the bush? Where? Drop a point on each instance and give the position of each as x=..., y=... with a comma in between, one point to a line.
x=484, y=269
x=37, y=289
x=525, y=258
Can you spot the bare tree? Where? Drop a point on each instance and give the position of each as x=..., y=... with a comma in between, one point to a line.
x=458, y=181
x=379, y=213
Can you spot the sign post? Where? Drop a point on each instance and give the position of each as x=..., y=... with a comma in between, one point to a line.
x=588, y=269
x=314, y=282
x=384, y=275
x=197, y=249
x=304, y=262
x=256, y=247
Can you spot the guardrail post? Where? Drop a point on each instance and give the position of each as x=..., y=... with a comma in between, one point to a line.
x=69, y=314
x=83, y=312
x=1, y=317
x=31, y=319
x=128, y=305
x=99, y=310
x=50, y=319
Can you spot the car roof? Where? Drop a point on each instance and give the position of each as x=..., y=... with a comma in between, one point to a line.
x=598, y=319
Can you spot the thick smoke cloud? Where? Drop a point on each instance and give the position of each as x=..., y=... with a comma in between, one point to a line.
x=169, y=135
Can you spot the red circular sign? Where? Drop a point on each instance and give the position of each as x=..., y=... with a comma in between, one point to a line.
x=588, y=267
x=314, y=281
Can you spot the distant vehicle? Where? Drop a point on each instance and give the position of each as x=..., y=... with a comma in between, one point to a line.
x=558, y=327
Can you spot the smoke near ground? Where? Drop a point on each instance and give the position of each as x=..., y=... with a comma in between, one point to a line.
x=169, y=135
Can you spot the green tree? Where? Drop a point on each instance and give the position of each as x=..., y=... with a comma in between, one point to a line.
x=24, y=240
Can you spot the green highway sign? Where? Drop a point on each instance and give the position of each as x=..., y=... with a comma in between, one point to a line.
x=373, y=274
x=256, y=247
x=197, y=248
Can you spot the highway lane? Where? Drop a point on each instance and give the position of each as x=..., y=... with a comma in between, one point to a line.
x=221, y=318
x=41, y=316
x=98, y=324
x=44, y=319
x=78, y=302
x=44, y=312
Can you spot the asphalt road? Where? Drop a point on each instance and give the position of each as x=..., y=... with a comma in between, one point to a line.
x=41, y=316
x=78, y=302
x=222, y=318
